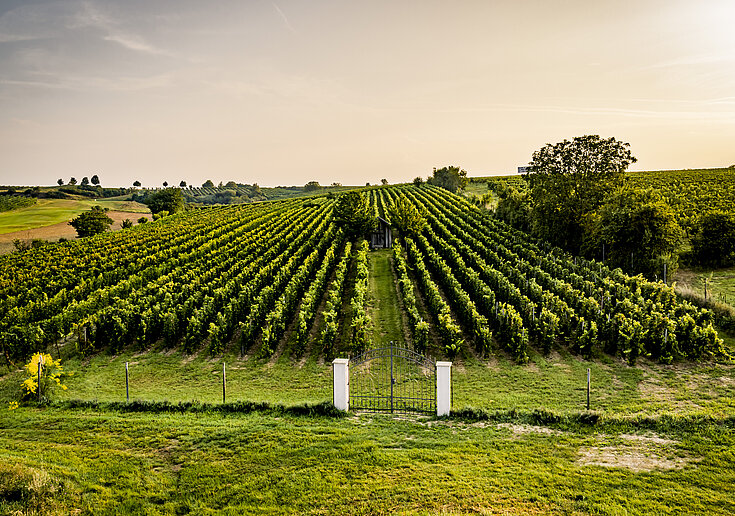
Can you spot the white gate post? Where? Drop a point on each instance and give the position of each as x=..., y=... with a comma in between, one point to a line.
x=443, y=388
x=341, y=392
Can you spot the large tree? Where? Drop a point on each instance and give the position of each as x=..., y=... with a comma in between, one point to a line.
x=91, y=222
x=354, y=214
x=450, y=178
x=168, y=199
x=406, y=217
x=569, y=180
x=95, y=180
x=639, y=233
x=714, y=242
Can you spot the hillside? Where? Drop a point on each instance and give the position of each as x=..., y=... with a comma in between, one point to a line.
x=233, y=277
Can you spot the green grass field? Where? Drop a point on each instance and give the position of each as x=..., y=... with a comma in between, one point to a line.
x=92, y=462
x=47, y=212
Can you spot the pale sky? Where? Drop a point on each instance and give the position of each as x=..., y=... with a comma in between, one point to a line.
x=281, y=93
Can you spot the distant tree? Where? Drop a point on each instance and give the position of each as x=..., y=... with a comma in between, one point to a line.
x=85, y=181
x=127, y=223
x=514, y=207
x=59, y=181
x=73, y=181
x=168, y=199
x=450, y=178
x=406, y=217
x=383, y=181
x=136, y=184
x=367, y=184
x=312, y=186
x=714, y=242
x=354, y=214
x=231, y=184
x=220, y=185
x=418, y=181
x=256, y=188
x=165, y=184
x=571, y=179
x=92, y=222
x=142, y=220
x=639, y=232
x=95, y=180
x=182, y=184
x=208, y=184
x=336, y=184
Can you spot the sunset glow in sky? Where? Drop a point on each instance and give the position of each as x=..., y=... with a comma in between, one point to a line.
x=280, y=93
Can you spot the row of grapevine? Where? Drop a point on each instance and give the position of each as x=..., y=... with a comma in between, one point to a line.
x=308, y=310
x=188, y=278
x=419, y=327
x=506, y=281
x=360, y=322
x=334, y=303
x=449, y=330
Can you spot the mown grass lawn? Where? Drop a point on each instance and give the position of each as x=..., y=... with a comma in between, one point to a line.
x=122, y=463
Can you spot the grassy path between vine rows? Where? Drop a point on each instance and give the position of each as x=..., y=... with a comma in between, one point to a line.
x=384, y=307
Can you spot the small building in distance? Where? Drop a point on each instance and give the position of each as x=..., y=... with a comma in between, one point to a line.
x=381, y=237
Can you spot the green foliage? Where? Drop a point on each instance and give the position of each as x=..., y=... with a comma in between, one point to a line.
x=92, y=222
x=52, y=373
x=360, y=322
x=15, y=202
x=312, y=186
x=570, y=179
x=127, y=223
x=405, y=217
x=208, y=184
x=168, y=199
x=639, y=232
x=354, y=214
x=142, y=220
x=450, y=178
x=95, y=180
x=418, y=181
x=714, y=242
x=333, y=304
x=514, y=207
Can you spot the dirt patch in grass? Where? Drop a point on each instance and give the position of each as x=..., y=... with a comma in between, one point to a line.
x=528, y=429
x=647, y=452
x=635, y=458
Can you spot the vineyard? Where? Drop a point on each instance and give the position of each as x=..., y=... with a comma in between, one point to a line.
x=251, y=277
x=688, y=192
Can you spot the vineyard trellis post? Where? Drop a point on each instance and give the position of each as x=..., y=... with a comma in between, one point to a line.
x=127, y=385
x=40, y=365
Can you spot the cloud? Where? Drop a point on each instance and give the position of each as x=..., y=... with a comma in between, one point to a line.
x=283, y=16
x=90, y=16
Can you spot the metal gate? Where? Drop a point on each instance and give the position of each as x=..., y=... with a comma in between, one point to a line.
x=393, y=379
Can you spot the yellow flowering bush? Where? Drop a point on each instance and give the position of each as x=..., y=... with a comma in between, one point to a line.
x=51, y=374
